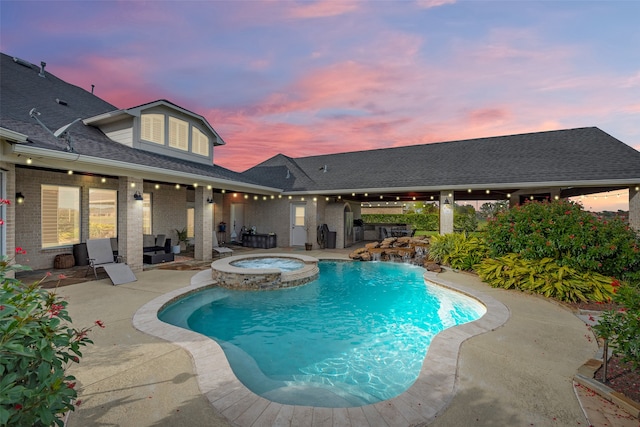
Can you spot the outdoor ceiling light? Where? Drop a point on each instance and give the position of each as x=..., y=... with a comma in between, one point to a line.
x=137, y=196
x=19, y=198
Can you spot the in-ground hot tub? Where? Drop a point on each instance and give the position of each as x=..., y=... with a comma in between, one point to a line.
x=264, y=271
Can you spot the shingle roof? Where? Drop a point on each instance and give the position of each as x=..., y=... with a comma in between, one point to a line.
x=562, y=156
x=22, y=89
x=573, y=157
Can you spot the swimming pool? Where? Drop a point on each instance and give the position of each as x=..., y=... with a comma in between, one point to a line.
x=372, y=325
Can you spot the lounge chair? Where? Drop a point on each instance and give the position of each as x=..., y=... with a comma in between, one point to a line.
x=220, y=250
x=101, y=256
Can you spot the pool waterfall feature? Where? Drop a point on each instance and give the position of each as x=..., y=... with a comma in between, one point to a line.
x=409, y=250
x=228, y=274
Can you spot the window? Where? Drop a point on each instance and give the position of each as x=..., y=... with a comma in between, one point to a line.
x=103, y=213
x=200, y=142
x=178, y=134
x=60, y=215
x=153, y=128
x=191, y=218
x=299, y=218
x=146, y=213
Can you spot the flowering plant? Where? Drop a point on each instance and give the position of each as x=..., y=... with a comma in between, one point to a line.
x=562, y=230
x=37, y=344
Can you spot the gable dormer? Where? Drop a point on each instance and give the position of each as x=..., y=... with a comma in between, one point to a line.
x=161, y=127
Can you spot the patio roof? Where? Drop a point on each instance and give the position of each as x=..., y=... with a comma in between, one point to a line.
x=581, y=161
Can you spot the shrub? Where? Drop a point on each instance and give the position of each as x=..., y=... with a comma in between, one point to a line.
x=620, y=327
x=562, y=230
x=545, y=276
x=464, y=219
x=428, y=221
x=37, y=343
x=457, y=250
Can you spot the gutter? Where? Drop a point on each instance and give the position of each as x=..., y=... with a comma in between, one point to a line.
x=493, y=186
x=11, y=135
x=141, y=170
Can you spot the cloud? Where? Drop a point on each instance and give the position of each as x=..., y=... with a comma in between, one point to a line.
x=323, y=8
x=428, y=4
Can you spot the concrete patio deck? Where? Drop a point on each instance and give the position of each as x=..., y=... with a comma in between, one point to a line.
x=519, y=374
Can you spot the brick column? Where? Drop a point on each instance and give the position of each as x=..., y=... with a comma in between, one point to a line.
x=130, y=222
x=634, y=207
x=203, y=225
x=446, y=212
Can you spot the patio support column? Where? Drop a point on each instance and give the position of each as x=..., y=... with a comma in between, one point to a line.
x=9, y=214
x=446, y=212
x=203, y=226
x=634, y=207
x=130, y=222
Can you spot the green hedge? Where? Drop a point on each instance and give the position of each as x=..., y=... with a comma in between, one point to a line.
x=428, y=222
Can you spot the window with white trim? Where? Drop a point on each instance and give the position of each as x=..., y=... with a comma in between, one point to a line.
x=103, y=213
x=146, y=213
x=178, y=134
x=60, y=215
x=199, y=142
x=152, y=128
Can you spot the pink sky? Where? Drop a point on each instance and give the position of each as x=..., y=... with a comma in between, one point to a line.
x=319, y=77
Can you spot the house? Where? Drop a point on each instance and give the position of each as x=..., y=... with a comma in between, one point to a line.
x=84, y=168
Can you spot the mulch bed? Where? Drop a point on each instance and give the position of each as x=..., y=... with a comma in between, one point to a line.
x=622, y=378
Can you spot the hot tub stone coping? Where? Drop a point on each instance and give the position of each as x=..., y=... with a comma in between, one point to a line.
x=232, y=277
x=224, y=264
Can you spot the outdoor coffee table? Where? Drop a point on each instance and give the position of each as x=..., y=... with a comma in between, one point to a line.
x=157, y=257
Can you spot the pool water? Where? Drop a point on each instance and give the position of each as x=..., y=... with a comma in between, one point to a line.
x=284, y=264
x=357, y=335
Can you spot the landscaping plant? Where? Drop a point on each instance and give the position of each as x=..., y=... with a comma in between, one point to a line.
x=457, y=250
x=563, y=231
x=621, y=327
x=37, y=345
x=546, y=277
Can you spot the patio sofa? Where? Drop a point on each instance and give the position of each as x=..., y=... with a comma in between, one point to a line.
x=151, y=243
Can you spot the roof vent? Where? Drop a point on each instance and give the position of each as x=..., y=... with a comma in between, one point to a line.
x=42, y=65
x=22, y=62
x=324, y=168
x=288, y=174
x=61, y=101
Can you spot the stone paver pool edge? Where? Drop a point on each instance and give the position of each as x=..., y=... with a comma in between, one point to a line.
x=422, y=402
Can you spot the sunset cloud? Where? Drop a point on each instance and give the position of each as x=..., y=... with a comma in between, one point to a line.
x=316, y=77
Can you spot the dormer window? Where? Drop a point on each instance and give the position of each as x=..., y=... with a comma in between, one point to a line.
x=200, y=142
x=153, y=128
x=178, y=134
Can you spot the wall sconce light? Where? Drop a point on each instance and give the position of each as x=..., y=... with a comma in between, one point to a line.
x=19, y=198
x=137, y=196
x=210, y=200
x=446, y=202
